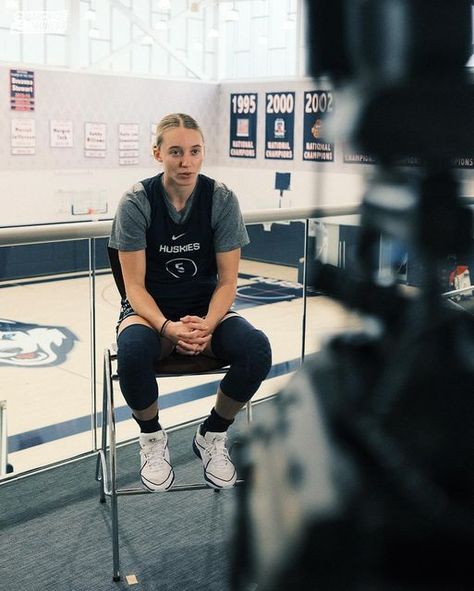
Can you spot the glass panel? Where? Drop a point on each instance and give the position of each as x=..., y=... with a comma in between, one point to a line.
x=121, y=62
x=160, y=59
x=120, y=29
x=194, y=42
x=56, y=4
x=277, y=18
x=55, y=50
x=331, y=240
x=141, y=59
x=243, y=63
x=243, y=40
x=141, y=8
x=228, y=39
x=9, y=46
x=45, y=340
x=259, y=8
x=45, y=352
x=271, y=45
x=194, y=29
x=32, y=5
x=259, y=48
x=270, y=292
x=102, y=20
x=7, y=16
x=277, y=62
x=99, y=50
x=210, y=64
x=84, y=41
x=176, y=68
x=178, y=7
x=178, y=33
x=33, y=48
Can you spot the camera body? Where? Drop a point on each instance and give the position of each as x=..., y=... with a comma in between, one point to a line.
x=357, y=475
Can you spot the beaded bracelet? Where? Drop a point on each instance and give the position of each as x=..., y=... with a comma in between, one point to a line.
x=162, y=330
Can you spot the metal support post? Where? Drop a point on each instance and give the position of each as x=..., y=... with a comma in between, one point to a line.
x=3, y=439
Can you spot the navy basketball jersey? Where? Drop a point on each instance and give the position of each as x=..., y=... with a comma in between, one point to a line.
x=181, y=270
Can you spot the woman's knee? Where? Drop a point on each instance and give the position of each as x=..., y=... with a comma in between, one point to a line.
x=258, y=354
x=235, y=340
x=250, y=356
x=136, y=344
x=137, y=353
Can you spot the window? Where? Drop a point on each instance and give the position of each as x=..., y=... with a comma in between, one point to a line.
x=176, y=39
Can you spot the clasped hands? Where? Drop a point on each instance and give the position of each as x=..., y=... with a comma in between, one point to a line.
x=190, y=334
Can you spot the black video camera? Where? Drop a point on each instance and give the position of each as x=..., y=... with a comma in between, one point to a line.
x=358, y=473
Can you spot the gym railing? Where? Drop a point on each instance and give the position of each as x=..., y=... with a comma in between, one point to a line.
x=95, y=229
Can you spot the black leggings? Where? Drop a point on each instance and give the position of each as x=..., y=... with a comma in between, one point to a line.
x=235, y=341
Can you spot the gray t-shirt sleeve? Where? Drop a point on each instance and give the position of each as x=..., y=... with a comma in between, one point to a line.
x=131, y=220
x=227, y=221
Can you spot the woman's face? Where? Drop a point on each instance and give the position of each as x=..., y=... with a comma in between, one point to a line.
x=181, y=153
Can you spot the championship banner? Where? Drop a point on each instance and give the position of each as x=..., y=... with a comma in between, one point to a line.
x=318, y=105
x=279, y=125
x=22, y=90
x=243, y=125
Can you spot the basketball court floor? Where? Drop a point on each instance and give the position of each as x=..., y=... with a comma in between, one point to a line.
x=45, y=356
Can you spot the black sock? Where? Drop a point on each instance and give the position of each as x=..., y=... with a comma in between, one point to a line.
x=215, y=423
x=148, y=426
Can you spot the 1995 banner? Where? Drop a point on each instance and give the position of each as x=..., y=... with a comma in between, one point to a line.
x=243, y=125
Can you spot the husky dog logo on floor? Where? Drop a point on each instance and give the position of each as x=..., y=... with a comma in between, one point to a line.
x=33, y=345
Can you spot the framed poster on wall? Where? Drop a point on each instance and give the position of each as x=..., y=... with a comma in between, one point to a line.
x=318, y=105
x=279, y=125
x=243, y=125
x=95, y=140
x=60, y=134
x=128, y=143
x=22, y=90
x=23, y=137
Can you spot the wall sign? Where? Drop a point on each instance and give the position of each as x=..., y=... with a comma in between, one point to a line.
x=318, y=104
x=22, y=90
x=95, y=140
x=243, y=125
x=279, y=125
x=23, y=137
x=128, y=143
x=60, y=134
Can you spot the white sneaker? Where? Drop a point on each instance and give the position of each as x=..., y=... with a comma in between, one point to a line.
x=219, y=471
x=155, y=468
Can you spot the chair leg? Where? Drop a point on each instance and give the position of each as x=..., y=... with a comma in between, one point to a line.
x=113, y=465
x=102, y=455
x=106, y=470
x=115, y=535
